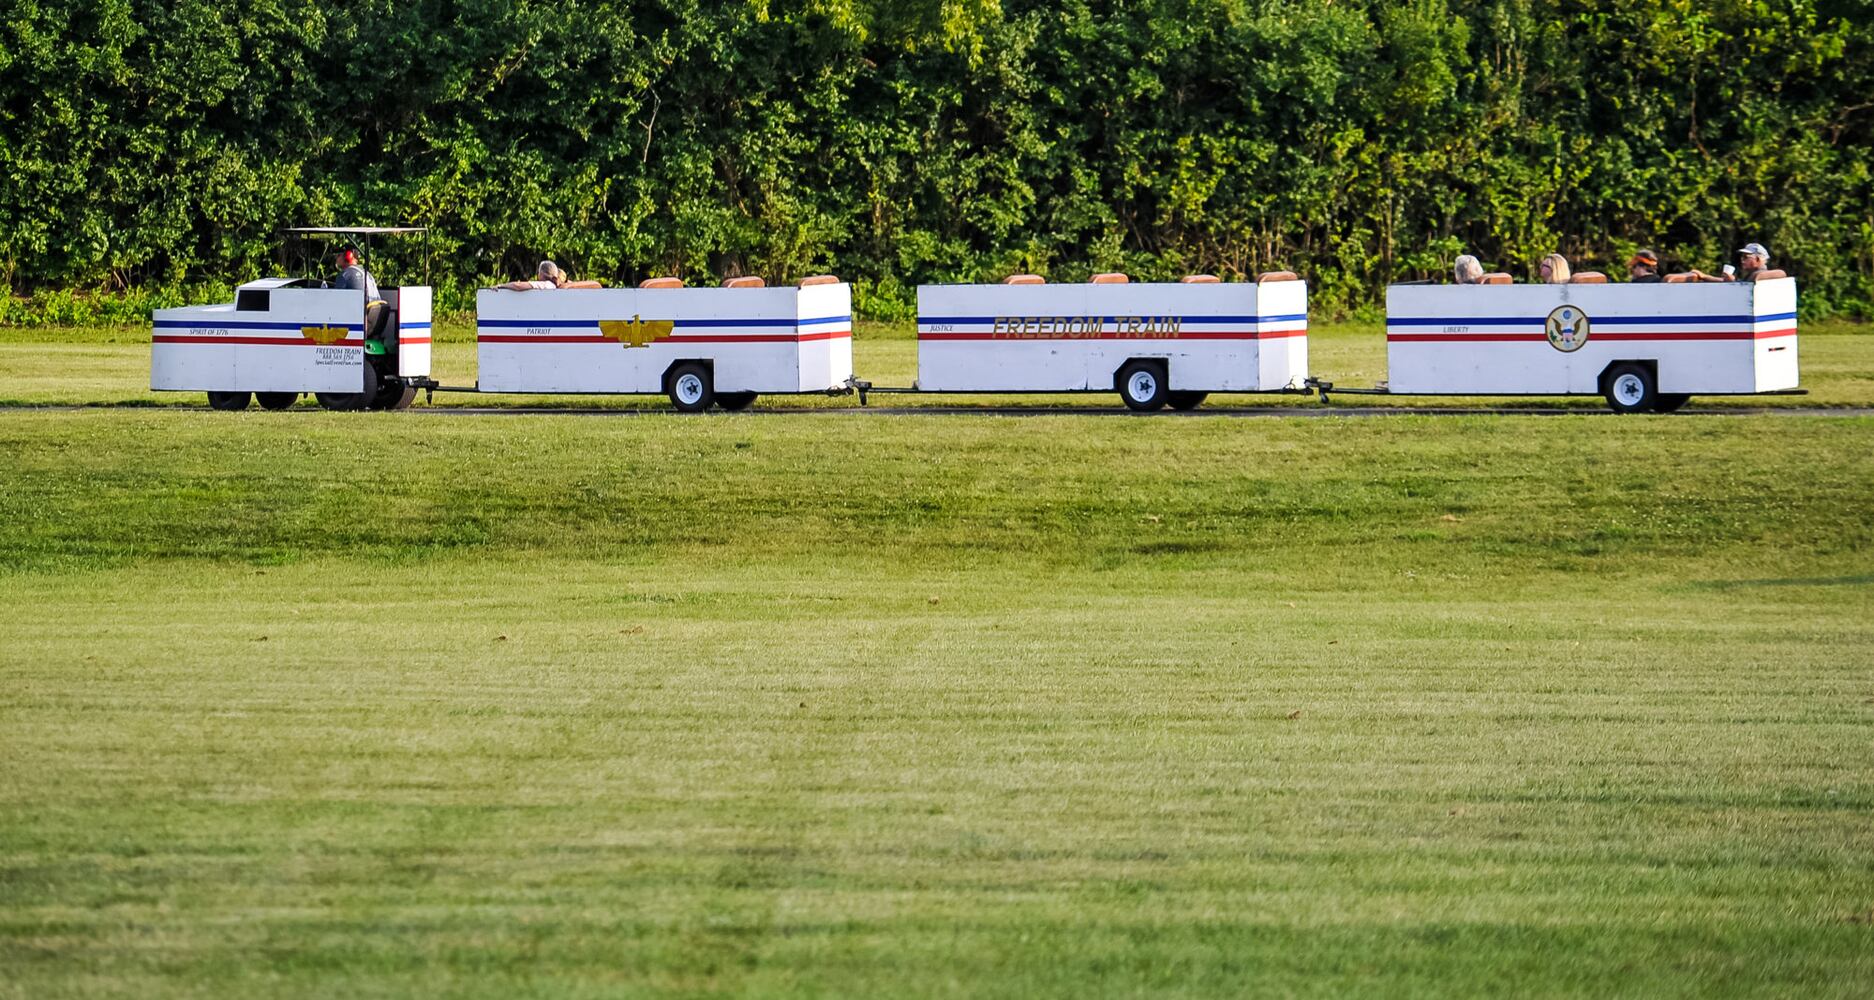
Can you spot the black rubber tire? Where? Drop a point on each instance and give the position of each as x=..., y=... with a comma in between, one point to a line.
x=1630, y=389
x=229, y=401
x=354, y=401
x=1670, y=402
x=691, y=396
x=348, y=401
x=1186, y=400
x=276, y=400
x=1142, y=385
x=735, y=402
x=393, y=395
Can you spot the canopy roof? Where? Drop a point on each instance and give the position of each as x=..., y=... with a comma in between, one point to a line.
x=359, y=230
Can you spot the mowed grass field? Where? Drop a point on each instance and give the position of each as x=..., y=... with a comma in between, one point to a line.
x=314, y=704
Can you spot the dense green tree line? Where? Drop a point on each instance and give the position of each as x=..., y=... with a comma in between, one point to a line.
x=147, y=144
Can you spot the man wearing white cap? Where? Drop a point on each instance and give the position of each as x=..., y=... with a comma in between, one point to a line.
x=1753, y=258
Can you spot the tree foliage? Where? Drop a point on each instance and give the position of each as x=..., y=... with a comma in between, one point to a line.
x=147, y=144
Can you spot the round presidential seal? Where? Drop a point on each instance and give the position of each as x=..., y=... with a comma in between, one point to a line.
x=1567, y=327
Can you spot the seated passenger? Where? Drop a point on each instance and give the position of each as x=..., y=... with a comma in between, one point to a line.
x=1553, y=270
x=1468, y=271
x=548, y=276
x=1752, y=258
x=1643, y=268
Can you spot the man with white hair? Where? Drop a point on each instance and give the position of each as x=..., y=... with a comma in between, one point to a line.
x=1468, y=270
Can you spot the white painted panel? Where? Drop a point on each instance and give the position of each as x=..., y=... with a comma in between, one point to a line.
x=1496, y=339
x=622, y=340
x=1050, y=338
x=308, y=340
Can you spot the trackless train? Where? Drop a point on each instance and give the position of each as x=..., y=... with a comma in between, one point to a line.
x=1644, y=347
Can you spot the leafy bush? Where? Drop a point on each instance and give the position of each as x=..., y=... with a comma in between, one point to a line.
x=156, y=145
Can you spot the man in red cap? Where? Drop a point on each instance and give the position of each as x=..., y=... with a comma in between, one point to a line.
x=351, y=274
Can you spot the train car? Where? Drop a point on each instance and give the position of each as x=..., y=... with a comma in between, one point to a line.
x=1645, y=347
x=1156, y=344
x=282, y=337
x=700, y=346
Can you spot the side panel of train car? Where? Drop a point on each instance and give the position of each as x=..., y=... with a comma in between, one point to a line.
x=1683, y=339
x=634, y=340
x=1217, y=337
x=278, y=337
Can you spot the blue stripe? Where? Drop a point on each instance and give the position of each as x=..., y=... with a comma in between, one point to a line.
x=680, y=323
x=1283, y=318
x=1598, y=318
x=177, y=324
x=414, y=326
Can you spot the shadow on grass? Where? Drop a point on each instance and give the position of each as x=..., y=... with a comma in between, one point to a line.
x=1856, y=580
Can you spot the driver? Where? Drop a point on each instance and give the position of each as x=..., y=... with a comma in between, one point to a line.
x=351, y=274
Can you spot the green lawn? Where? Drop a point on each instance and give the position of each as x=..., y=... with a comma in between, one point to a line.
x=364, y=705
x=111, y=366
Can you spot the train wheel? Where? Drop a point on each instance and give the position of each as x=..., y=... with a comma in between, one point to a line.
x=1669, y=402
x=735, y=401
x=344, y=400
x=229, y=400
x=276, y=400
x=690, y=388
x=373, y=384
x=1142, y=385
x=1630, y=389
x=1186, y=400
x=393, y=395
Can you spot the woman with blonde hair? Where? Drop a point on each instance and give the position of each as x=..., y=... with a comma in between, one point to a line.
x=1553, y=270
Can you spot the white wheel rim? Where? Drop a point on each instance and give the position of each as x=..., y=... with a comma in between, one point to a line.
x=1142, y=386
x=1629, y=390
x=689, y=388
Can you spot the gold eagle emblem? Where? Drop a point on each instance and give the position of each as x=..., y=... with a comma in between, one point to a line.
x=636, y=331
x=324, y=336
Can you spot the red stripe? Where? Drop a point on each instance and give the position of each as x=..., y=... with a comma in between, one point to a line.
x=1481, y=338
x=720, y=338
x=412, y=340
x=1181, y=335
x=1489, y=338
x=163, y=338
